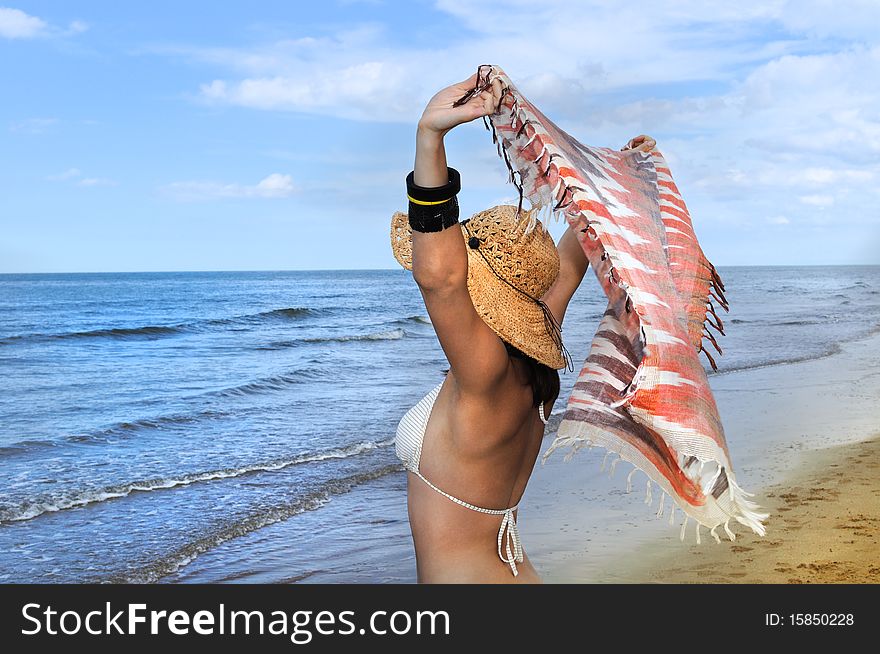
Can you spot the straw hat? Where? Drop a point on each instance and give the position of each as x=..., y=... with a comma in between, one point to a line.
x=508, y=273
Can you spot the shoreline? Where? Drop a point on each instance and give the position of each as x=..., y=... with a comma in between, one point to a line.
x=794, y=431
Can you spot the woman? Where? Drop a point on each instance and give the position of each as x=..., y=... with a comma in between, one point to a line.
x=496, y=298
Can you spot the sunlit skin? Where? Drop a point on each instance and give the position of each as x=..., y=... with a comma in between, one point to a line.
x=484, y=435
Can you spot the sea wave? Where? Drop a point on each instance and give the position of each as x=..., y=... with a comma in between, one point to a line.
x=51, y=503
x=120, y=332
x=288, y=313
x=156, y=422
x=388, y=335
x=829, y=350
x=394, y=334
x=172, y=562
x=118, y=430
x=821, y=319
x=128, y=428
x=159, y=331
x=272, y=383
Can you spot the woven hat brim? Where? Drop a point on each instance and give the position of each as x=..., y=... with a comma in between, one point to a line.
x=401, y=239
x=513, y=316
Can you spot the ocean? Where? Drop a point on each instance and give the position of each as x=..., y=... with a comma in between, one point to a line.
x=237, y=426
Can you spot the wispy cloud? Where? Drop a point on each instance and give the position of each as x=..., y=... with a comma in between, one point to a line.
x=361, y=72
x=75, y=175
x=354, y=73
x=754, y=106
x=77, y=26
x=275, y=185
x=370, y=90
x=817, y=200
x=96, y=181
x=16, y=24
x=70, y=173
x=33, y=125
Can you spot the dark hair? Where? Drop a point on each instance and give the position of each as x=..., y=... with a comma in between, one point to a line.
x=543, y=379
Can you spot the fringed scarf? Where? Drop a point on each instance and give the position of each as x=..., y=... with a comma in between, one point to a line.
x=642, y=393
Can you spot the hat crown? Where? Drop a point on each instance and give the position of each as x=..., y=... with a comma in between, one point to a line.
x=527, y=261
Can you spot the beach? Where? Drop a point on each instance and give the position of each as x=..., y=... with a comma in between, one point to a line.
x=804, y=438
x=228, y=427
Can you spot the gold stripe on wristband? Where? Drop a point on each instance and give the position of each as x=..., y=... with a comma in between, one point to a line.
x=411, y=199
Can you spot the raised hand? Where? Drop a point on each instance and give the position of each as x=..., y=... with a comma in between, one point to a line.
x=440, y=115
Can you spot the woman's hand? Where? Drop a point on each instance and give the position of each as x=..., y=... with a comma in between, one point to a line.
x=440, y=116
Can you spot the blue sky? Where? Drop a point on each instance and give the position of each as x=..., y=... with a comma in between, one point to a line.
x=277, y=135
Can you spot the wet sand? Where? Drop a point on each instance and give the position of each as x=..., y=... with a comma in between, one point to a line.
x=824, y=528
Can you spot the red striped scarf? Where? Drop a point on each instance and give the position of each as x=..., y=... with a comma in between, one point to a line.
x=642, y=393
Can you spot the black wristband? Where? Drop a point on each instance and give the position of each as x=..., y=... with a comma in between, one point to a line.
x=441, y=203
x=434, y=193
x=433, y=217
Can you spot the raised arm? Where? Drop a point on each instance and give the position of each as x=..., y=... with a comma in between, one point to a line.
x=476, y=355
x=573, y=264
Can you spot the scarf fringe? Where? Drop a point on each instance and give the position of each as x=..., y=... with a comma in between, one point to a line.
x=715, y=289
x=746, y=511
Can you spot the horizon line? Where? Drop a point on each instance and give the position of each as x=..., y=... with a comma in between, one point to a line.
x=255, y=270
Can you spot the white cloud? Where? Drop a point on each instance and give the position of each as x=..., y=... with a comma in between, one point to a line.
x=335, y=75
x=779, y=220
x=370, y=90
x=763, y=109
x=16, y=24
x=275, y=185
x=830, y=176
x=361, y=73
x=817, y=200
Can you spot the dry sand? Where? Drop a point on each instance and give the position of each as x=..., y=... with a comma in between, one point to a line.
x=824, y=527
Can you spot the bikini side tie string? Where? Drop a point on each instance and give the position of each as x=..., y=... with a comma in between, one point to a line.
x=512, y=545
